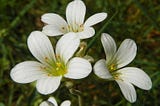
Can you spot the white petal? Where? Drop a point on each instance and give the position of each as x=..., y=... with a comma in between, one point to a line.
x=27, y=72
x=126, y=53
x=67, y=45
x=94, y=19
x=53, y=19
x=41, y=47
x=86, y=33
x=136, y=76
x=66, y=103
x=128, y=90
x=48, y=85
x=45, y=103
x=52, y=30
x=101, y=70
x=78, y=68
x=53, y=101
x=75, y=12
x=109, y=46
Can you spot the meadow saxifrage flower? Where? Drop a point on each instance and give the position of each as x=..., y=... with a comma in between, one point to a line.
x=75, y=15
x=52, y=102
x=51, y=66
x=113, y=67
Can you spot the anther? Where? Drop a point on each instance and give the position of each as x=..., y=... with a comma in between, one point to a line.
x=46, y=58
x=58, y=64
x=57, y=68
x=81, y=25
x=41, y=67
x=63, y=28
x=112, y=67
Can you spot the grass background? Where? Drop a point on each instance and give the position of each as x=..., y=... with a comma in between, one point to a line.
x=136, y=19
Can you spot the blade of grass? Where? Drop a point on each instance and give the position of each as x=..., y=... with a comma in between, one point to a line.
x=144, y=11
x=19, y=100
x=16, y=21
x=32, y=96
x=22, y=13
x=11, y=95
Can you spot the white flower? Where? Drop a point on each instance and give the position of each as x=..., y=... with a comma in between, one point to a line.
x=52, y=102
x=112, y=67
x=51, y=68
x=75, y=14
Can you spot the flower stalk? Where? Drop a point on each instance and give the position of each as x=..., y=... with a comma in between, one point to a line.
x=78, y=94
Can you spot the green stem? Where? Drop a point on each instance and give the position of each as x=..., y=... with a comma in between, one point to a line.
x=77, y=93
x=99, y=32
x=32, y=96
x=80, y=100
x=19, y=100
x=11, y=95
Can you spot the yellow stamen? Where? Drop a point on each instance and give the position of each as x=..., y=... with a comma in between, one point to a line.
x=112, y=67
x=74, y=28
x=58, y=64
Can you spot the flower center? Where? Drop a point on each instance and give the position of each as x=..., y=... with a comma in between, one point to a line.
x=112, y=67
x=116, y=76
x=57, y=68
x=73, y=28
x=60, y=69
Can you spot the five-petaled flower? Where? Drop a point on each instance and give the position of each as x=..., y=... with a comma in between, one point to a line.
x=52, y=102
x=112, y=67
x=51, y=66
x=75, y=14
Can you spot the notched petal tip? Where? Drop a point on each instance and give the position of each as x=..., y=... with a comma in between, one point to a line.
x=53, y=19
x=75, y=12
x=48, y=85
x=53, y=101
x=40, y=47
x=137, y=77
x=26, y=72
x=66, y=103
x=109, y=46
x=126, y=52
x=127, y=90
x=67, y=45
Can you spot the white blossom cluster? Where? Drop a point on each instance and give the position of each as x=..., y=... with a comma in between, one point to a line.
x=54, y=64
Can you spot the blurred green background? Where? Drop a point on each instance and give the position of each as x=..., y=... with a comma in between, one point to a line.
x=136, y=19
